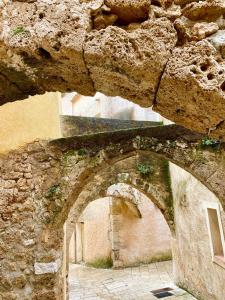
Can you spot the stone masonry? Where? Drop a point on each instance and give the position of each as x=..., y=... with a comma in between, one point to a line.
x=41, y=182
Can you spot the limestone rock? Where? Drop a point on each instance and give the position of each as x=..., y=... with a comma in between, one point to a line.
x=194, y=31
x=193, y=88
x=3, y=3
x=162, y=3
x=129, y=11
x=202, y=30
x=204, y=10
x=45, y=268
x=172, y=13
x=44, y=47
x=120, y=48
x=218, y=41
x=117, y=60
x=183, y=2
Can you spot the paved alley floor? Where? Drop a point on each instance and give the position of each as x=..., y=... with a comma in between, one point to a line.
x=127, y=284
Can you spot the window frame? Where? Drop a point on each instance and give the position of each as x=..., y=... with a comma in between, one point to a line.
x=218, y=208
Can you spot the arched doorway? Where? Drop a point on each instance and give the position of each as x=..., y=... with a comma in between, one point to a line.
x=134, y=237
x=173, y=149
x=144, y=220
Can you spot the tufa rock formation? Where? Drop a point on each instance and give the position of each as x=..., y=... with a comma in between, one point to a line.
x=161, y=53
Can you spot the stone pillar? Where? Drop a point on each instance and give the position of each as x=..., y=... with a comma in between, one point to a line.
x=48, y=280
x=69, y=232
x=116, y=221
x=65, y=265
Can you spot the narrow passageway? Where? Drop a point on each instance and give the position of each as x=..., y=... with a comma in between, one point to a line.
x=134, y=283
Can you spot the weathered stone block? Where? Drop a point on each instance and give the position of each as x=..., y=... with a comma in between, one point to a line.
x=45, y=268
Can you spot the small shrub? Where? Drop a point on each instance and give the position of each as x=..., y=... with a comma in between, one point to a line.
x=53, y=190
x=82, y=152
x=145, y=169
x=101, y=263
x=68, y=157
x=207, y=142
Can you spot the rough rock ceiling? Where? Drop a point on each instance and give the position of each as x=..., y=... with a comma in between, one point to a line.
x=169, y=54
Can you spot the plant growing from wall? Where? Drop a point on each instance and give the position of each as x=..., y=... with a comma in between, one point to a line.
x=53, y=191
x=19, y=30
x=70, y=155
x=82, y=152
x=145, y=169
x=207, y=142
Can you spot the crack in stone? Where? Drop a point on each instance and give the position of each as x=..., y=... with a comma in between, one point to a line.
x=218, y=125
x=211, y=175
x=86, y=64
x=154, y=102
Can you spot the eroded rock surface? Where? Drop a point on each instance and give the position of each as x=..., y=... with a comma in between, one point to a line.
x=193, y=87
x=149, y=52
x=117, y=59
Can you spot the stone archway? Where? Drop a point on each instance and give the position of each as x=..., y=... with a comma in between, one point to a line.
x=40, y=181
x=124, y=194
x=155, y=185
x=172, y=142
x=168, y=54
x=182, y=147
x=115, y=206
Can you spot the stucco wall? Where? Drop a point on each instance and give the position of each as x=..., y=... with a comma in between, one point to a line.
x=194, y=268
x=28, y=120
x=97, y=242
x=141, y=239
x=144, y=239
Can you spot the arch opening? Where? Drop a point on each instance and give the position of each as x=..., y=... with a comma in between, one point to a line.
x=139, y=235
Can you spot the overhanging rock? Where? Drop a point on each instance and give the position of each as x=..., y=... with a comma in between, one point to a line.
x=160, y=53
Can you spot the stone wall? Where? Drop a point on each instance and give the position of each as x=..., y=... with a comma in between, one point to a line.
x=30, y=254
x=194, y=268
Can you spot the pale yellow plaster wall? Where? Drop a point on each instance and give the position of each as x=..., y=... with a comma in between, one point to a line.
x=194, y=269
x=144, y=239
x=97, y=242
x=25, y=121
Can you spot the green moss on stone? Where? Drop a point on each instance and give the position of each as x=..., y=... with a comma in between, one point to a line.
x=70, y=155
x=163, y=256
x=199, y=156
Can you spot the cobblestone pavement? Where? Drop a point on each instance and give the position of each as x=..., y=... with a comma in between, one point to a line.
x=127, y=284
